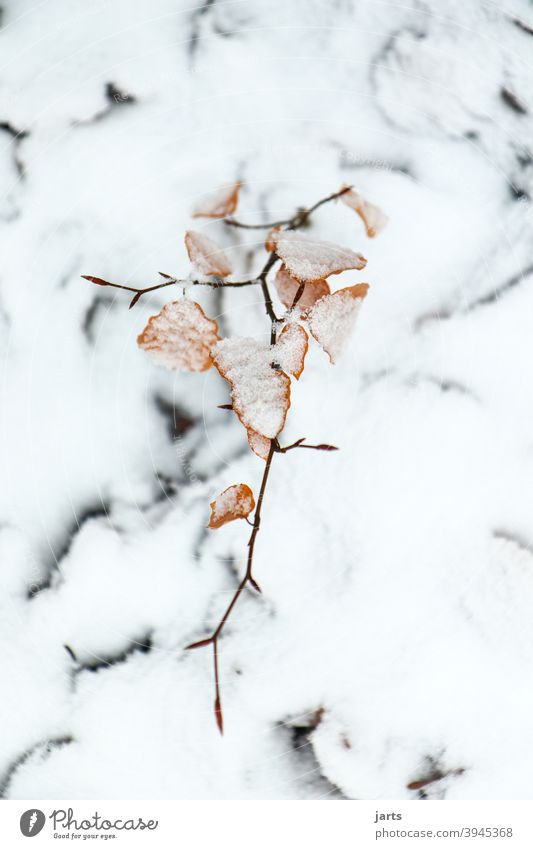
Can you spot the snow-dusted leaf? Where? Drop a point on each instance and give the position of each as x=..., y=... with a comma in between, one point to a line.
x=372, y=216
x=332, y=318
x=218, y=204
x=287, y=287
x=260, y=445
x=206, y=256
x=236, y=502
x=180, y=336
x=260, y=394
x=291, y=348
x=312, y=259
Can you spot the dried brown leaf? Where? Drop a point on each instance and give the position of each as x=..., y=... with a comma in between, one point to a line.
x=287, y=287
x=180, y=337
x=236, y=502
x=206, y=256
x=270, y=243
x=219, y=204
x=313, y=259
x=372, y=216
x=332, y=318
x=259, y=444
x=291, y=348
x=260, y=394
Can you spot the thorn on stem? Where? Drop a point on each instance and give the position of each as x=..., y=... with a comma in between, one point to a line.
x=71, y=652
x=254, y=584
x=218, y=715
x=207, y=642
x=98, y=280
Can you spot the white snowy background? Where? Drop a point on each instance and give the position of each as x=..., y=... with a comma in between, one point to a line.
x=393, y=642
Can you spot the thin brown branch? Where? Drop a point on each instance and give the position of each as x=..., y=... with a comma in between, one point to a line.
x=298, y=295
x=323, y=446
x=232, y=222
x=216, y=283
x=270, y=263
x=299, y=219
x=248, y=578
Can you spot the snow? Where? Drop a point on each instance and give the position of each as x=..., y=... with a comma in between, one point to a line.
x=180, y=337
x=396, y=573
x=312, y=259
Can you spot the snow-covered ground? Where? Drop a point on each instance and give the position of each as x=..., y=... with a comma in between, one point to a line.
x=393, y=642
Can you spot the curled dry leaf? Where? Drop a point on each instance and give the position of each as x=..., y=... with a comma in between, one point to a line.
x=236, y=502
x=287, y=287
x=372, y=216
x=180, y=337
x=260, y=445
x=218, y=204
x=312, y=259
x=206, y=256
x=270, y=243
x=291, y=348
x=332, y=318
x=260, y=394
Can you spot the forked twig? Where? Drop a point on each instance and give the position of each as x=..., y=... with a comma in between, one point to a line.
x=299, y=219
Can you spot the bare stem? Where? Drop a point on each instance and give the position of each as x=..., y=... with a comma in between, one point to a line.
x=323, y=446
x=299, y=219
x=248, y=578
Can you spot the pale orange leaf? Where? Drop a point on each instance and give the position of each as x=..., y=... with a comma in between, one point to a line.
x=260, y=394
x=287, y=287
x=270, y=244
x=313, y=259
x=372, y=216
x=291, y=348
x=219, y=204
x=260, y=445
x=180, y=337
x=206, y=256
x=332, y=318
x=236, y=502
